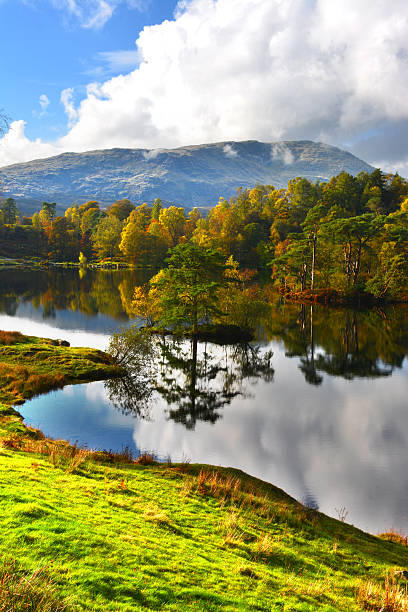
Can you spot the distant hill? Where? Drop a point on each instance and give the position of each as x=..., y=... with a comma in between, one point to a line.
x=192, y=176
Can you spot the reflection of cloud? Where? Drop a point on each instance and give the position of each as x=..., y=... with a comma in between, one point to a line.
x=43, y=330
x=340, y=444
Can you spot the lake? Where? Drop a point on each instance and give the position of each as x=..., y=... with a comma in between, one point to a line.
x=317, y=405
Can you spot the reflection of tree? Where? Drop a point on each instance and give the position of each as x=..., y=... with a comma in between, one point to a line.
x=135, y=350
x=199, y=385
x=308, y=363
x=130, y=394
x=343, y=342
x=189, y=383
x=195, y=379
x=98, y=291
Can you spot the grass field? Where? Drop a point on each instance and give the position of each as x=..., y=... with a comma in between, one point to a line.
x=83, y=530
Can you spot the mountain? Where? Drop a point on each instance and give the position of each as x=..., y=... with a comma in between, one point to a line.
x=192, y=175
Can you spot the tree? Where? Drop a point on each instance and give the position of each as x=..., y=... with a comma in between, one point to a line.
x=48, y=210
x=107, y=236
x=174, y=220
x=120, y=209
x=187, y=290
x=354, y=234
x=10, y=211
x=58, y=241
x=311, y=226
x=157, y=207
x=90, y=219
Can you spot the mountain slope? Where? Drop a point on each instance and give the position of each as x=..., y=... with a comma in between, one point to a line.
x=192, y=175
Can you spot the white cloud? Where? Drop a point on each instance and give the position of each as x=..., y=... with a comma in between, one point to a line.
x=295, y=69
x=93, y=14
x=118, y=61
x=152, y=154
x=68, y=104
x=15, y=147
x=280, y=151
x=44, y=102
x=229, y=151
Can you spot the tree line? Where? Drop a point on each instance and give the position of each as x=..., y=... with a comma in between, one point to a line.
x=349, y=234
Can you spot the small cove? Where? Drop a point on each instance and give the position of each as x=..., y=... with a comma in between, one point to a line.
x=325, y=418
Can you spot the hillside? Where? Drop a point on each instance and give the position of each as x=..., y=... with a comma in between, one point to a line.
x=88, y=530
x=192, y=175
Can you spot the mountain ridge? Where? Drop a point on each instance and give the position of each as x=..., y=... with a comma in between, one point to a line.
x=188, y=175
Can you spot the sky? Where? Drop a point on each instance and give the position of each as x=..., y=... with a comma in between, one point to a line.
x=80, y=75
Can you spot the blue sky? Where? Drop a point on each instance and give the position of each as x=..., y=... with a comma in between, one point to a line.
x=46, y=50
x=79, y=75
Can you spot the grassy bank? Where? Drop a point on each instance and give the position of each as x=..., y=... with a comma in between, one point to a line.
x=83, y=530
x=29, y=366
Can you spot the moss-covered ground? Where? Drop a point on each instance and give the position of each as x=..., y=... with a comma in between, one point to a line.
x=29, y=366
x=114, y=534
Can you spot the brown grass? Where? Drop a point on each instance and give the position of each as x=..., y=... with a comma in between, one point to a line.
x=27, y=592
x=388, y=597
x=60, y=453
x=21, y=383
x=394, y=536
x=10, y=337
x=145, y=458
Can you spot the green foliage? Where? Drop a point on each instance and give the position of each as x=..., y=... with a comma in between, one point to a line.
x=107, y=235
x=186, y=291
x=311, y=236
x=120, y=209
x=10, y=211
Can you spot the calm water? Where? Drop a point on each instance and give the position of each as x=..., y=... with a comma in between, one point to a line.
x=318, y=406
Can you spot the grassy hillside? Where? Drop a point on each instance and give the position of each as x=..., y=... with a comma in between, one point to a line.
x=85, y=530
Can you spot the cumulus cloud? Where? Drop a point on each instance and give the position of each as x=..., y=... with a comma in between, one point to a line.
x=15, y=147
x=334, y=72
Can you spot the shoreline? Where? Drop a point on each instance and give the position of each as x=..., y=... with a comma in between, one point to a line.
x=141, y=535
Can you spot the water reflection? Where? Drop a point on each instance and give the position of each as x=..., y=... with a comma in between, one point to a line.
x=317, y=405
x=341, y=342
x=196, y=380
x=69, y=295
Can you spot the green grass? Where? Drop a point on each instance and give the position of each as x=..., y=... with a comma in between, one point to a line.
x=29, y=366
x=120, y=536
x=100, y=532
